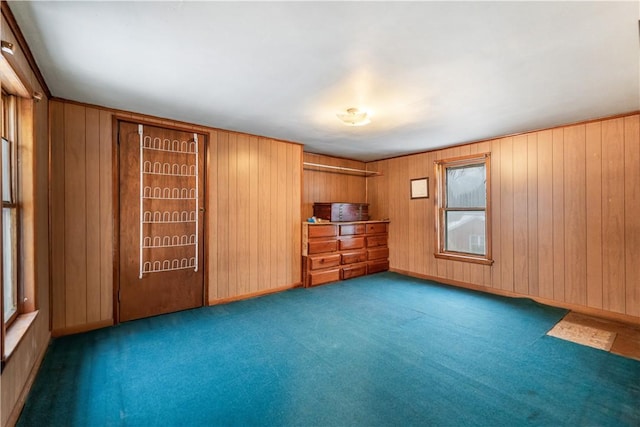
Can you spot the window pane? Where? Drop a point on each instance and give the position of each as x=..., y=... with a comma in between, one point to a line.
x=465, y=232
x=466, y=187
x=10, y=272
x=6, y=171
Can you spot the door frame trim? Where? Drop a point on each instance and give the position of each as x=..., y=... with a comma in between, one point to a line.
x=115, y=161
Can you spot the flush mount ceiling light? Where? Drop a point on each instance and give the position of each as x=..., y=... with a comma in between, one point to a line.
x=354, y=117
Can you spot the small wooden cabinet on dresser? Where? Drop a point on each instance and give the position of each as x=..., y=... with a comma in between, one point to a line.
x=334, y=251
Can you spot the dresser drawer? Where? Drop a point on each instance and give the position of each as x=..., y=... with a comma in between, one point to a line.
x=377, y=266
x=322, y=276
x=326, y=230
x=354, y=270
x=323, y=261
x=354, y=257
x=378, y=253
x=321, y=246
x=377, y=228
x=346, y=243
x=373, y=241
x=352, y=229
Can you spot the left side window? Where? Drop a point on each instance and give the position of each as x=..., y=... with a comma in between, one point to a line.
x=10, y=208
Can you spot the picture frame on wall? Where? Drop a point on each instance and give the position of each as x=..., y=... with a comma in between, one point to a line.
x=420, y=188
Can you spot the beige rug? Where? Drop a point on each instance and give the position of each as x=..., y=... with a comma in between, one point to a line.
x=585, y=335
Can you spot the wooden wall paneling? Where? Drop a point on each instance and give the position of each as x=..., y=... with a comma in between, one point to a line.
x=632, y=214
x=243, y=257
x=295, y=163
x=557, y=136
x=416, y=218
x=264, y=203
x=224, y=211
x=291, y=256
x=593, y=193
x=233, y=220
x=254, y=213
x=613, y=236
x=545, y=214
x=575, y=215
x=106, y=214
x=532, y=213
x=326, y=185
x=496, y=214
x=58, y=300
x=402, y=234
x=92, y=191
x=212, y=213
x=520, y=215
x=506, y=213
x=75, y=224
x=281, y=196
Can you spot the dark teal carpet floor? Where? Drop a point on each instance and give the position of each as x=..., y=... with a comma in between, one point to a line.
x=382, y=350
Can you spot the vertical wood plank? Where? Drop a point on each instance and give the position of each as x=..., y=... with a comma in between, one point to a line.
x=593, y=152
x=264, y=203
x=254, y=213
x=545, y=214
x=212, y=216
x=520, y=216
x=232, y=220
x=75, y=216
x=243, y=257
x=575, y=215
x=92, y=190
x=613, y=237
x=222, y=288
x=506, y=213
x=496, y=214
x=558, y=214
x=106, y=215
x=532, y=212
x=281, y=205
x=58, y=282
x=632, y=214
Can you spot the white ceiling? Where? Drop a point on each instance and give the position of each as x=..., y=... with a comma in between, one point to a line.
x=432, y=74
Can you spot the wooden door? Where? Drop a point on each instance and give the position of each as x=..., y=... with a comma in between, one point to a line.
x=161, y=188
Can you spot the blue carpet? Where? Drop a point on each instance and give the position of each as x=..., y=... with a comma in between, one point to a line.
x=382, y=350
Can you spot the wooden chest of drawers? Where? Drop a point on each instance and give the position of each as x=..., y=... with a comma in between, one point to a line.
x=339, y=251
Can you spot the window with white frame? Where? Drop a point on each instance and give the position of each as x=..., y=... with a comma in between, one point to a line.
x=463, y=209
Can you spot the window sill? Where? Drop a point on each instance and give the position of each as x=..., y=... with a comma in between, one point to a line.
x=16, y=331
x=465, y=258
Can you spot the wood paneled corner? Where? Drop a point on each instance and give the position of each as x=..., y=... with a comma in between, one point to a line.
x=564, y=215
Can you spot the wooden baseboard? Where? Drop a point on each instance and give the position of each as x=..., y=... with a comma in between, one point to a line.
x=217, y=301
x=596, y=312
x=17, y=409
x=82, y=328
